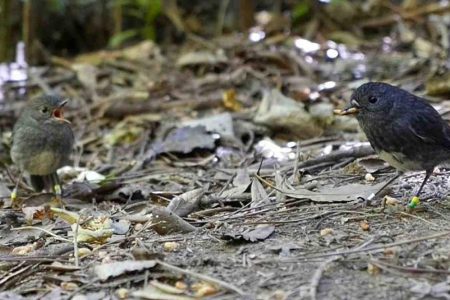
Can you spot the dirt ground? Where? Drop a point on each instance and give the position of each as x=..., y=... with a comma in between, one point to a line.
x=217, y=170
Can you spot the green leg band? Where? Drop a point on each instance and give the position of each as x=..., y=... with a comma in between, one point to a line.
x=57, y=189
x=414, y=202
x=14, y=195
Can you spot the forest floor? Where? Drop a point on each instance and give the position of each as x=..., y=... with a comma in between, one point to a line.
x=217, y=170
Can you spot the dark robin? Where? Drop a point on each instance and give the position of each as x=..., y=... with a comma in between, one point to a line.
x=403, y=129
x=42, y=143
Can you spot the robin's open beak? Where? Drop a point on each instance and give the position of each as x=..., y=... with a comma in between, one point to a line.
x=351, y=109
x=58, y=113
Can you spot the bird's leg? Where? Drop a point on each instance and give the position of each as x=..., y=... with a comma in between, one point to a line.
x=416, y=200
x=14, y=191
x=56, y=188
x=390, y=181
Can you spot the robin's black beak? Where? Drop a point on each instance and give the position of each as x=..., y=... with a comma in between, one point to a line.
x=351, y=109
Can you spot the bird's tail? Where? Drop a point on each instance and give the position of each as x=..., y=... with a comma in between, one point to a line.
x=46, y=182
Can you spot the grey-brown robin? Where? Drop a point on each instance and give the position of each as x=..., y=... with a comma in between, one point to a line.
x=42, y=143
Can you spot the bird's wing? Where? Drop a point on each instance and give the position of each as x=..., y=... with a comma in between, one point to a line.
x=426, y=125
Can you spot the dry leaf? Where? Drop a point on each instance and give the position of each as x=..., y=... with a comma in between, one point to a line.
x=115, y=269
x=171, y=246
x=203, y=289
x=229, y=100
x=364, y=225
x=373, y=269
x=326, y=231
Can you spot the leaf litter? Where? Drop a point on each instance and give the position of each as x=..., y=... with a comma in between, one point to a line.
x=180, y=150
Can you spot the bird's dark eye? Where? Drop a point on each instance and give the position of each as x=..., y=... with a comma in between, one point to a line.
x=44, y=109
x=373, y=99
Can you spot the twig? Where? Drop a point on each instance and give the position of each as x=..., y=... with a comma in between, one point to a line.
x=75, y=243
x=315, y=280
x=421, y=219
x=44, y=230
x=355, y=152
x=373, y=248
x=384, y=265
x=294, y=177
x=203, y=277
x=432, y=8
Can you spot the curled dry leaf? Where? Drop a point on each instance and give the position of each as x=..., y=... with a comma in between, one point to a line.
x=369, y=177
x=184, y=140
x=278, y=111
x=326, y=231
x=171, y=246
x=157, y=290
x=364, y=225
x=373, y=269
x=252, y=234
x=24, y=250
x=186, y=203
x=115, y=269
x=203, y=289
x=123, y=293
x=391, y=201
x=259, y=194
x=165, y=222
x=36, y=213
x=241, y=182
x=221, y=124
x=201, y=58
x=97, y=236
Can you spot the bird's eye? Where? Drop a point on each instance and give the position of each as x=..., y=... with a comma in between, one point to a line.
x=373, y=99
x=44, y=109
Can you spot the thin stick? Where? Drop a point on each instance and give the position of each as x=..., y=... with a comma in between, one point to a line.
x=315, y=280
x=384, y=265
x=373, y=248
x=44, y=230
x=75, y=243
x=203, y=277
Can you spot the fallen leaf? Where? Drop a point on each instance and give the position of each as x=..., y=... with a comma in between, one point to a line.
x=201, y=58
x=186, y=203
x=364, y=225
x=229, y=100
x=373, y=269
x=203, y=289
x=280, y=112
x=369, y=177
x=154, y=293
x=326, y=231
x=252, y=234
x=220, y=123
x=391, y=201
x=184, y=140
x=115, y=269
x=241, y=182
x=259, y=194
x=171, y=246
x=344, y=193
x=24, y=250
